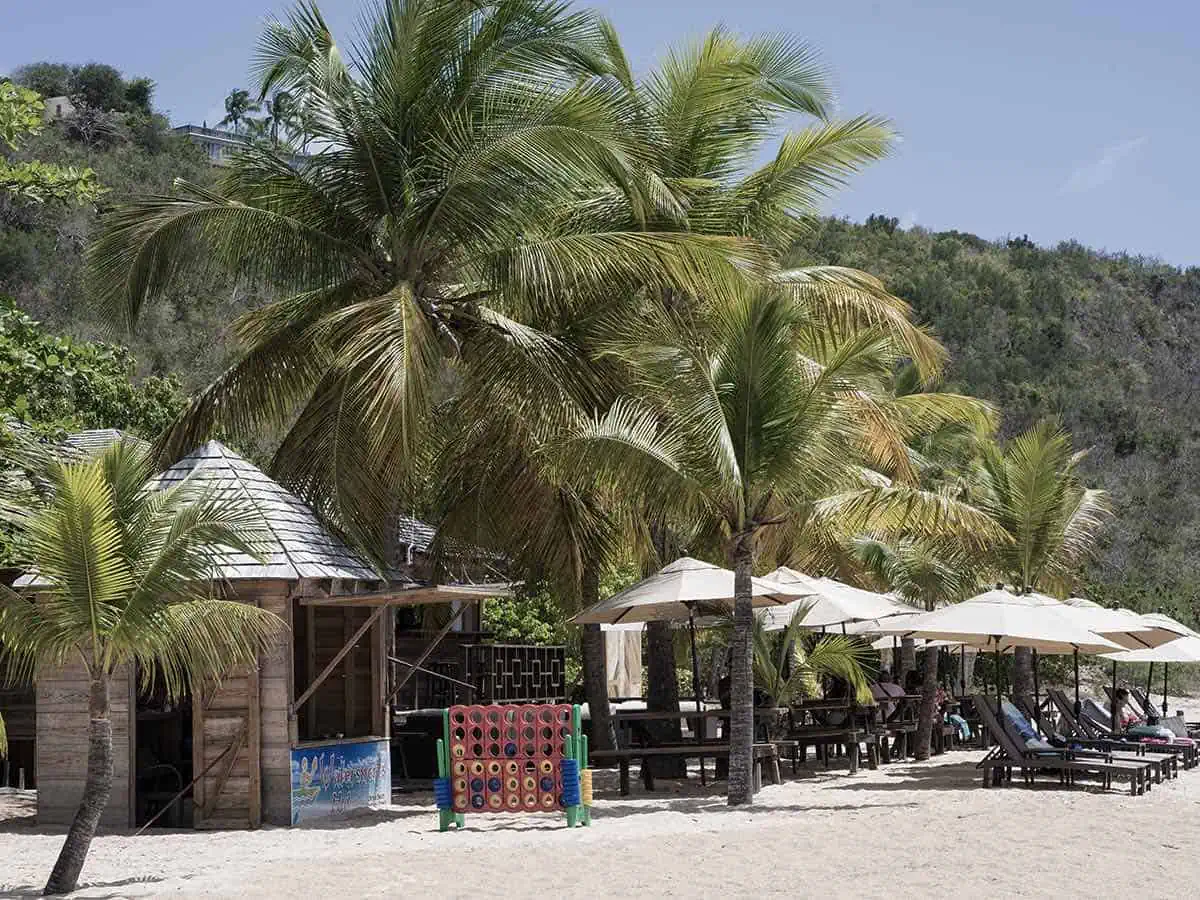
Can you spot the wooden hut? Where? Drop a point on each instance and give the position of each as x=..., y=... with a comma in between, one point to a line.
x=304, y=733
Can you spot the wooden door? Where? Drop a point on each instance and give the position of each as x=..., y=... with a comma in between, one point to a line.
x=226, y=748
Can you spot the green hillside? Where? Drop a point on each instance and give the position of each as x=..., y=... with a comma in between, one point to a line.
x=1105, y=342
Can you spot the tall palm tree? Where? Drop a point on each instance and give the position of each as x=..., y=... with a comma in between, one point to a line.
x=927, y=574
x=123, y=579
x=281, y=113
x=703, y=118
x=237, y=104
x=750, y=416
x=1032, y=488
x=464, y=146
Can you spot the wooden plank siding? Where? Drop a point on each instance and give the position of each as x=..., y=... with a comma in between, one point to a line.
x=275, y=693
x=62, y=746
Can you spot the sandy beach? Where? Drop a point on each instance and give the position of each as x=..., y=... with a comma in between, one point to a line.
x=922, y=829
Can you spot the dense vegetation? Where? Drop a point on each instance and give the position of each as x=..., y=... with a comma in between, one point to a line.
x=1104, y=342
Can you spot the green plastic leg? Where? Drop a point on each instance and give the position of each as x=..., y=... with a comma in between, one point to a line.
x=444, y=816
x=460, y=820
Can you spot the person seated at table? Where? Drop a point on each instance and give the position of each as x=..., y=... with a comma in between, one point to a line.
x=941, y=702
x=912, y=682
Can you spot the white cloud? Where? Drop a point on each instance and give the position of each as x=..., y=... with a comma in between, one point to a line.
x=1102, y=170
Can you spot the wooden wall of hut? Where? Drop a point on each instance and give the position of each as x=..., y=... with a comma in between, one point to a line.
x=62, y=746
x=241, y=726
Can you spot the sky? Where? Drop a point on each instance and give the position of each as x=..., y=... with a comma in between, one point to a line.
x=1060, y=120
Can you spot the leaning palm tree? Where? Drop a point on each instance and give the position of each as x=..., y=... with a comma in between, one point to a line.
x=1032, y=488
x=121, y=577
x=464, y=146
x=748, y=416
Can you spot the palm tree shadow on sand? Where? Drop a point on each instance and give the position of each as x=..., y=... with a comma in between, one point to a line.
x=85, y=889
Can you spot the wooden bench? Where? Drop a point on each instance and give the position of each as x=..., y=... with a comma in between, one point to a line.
x=823, y=738
x=625, y=755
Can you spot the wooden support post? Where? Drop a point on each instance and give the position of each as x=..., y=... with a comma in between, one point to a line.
x=320, y=679
x=310, y=641
x=426, y=653
x=348, y=674
x=254, y=746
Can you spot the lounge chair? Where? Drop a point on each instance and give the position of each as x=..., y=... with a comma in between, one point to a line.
x=1086, y=729
x=1030, y=755
x=1165, y=762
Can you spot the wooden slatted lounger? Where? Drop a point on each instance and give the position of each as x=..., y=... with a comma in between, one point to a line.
x=1008, y=755
x=1087, y=729
x=1165, y=763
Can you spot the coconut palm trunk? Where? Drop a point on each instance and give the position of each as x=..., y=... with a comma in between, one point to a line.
x=927, y=712
x=1022, y=672
x=741, y=700
x=908, y=659
x=96, y=791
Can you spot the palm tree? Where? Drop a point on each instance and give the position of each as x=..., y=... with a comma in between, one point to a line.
x=463, y=152
x=752, y=416
x=122, y=579
x=1032, y=488
x=789, y=664
x=928, y=574
x=281, y=112
x=237, y=105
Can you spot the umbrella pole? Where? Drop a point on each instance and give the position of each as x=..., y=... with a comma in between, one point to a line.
x=1078, y=707
x=699, y=720
x=1164, y=706
x=1116, y=726
x=1149, y=678
x=1037, y=699
x=999, y=690
x=962, y=671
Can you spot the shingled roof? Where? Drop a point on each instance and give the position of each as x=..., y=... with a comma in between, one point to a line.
x=299, y=546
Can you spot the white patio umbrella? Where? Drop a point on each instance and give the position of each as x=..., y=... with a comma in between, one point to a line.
x=678, y=592
x=830, y=602
x=999, y=620
x=1123, y=626
x=1185, y=648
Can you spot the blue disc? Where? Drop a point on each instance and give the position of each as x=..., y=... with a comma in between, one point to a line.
x=477, y=801
x=510, y=749
x=476, y=785
x=547, y=783
x=494, y=785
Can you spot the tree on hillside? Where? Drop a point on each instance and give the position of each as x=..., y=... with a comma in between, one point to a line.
x=98, y=85
x=34, y=181
x=450, y=204
x=45, y=78
x=237, y=104
x=123, y=580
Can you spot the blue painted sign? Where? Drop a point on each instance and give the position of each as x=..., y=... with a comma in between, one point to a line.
x=332, y=780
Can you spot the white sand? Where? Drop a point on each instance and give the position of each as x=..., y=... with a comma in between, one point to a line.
x=918, y=830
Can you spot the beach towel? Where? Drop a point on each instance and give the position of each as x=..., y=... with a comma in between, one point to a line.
x=1023, y=728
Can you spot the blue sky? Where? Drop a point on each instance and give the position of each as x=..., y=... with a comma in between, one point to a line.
x=1053, y=118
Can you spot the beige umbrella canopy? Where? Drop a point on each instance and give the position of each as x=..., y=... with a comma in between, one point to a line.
x=829, y=602
x=1181, y=650
x=1123, y=626
x=677, y=592
x=999, y=620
